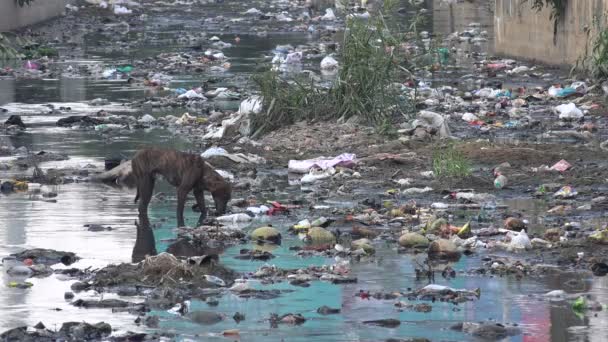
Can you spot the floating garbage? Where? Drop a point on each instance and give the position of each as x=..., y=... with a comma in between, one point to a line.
x=304, y=166
x=446, y=290
x=125, y=69
x=519, y=241
x=147, y=118
x=561, y=166
x=329, y=15
x=191, y=94
x=120, y=10
x=252, y=105
x=469, y=117
x=566, y=192
x=316, y=175
x=253, y=11
x=29, y=65
x=266, y=234
x=235, y=218
x=294, y=58
x=568, y=112
x=329, y=63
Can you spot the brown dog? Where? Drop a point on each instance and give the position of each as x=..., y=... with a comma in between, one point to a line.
x=186, y=172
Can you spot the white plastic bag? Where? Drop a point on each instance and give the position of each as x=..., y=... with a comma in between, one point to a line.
x=329, y=63
x=252, y=105
x=329, y=15
x=520, y=241
x=568, y=111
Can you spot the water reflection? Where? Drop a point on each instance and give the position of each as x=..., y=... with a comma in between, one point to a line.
x=26, y=223
x=145, y=244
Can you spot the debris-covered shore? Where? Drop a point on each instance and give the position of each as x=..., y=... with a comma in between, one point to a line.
x=490, y=190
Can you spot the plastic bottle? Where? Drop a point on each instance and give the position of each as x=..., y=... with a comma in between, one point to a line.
x=500, y=181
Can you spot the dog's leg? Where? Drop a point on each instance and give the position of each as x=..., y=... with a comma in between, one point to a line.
x=200, y=201
x=145, y=188
x=182, y=193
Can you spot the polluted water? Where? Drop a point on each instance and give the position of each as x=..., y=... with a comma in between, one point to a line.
x=474, y=211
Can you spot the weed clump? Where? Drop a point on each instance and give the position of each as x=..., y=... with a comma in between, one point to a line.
x=594, y=60
x=448, y=162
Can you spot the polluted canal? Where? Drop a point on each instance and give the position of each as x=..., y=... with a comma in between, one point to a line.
x=473, y=209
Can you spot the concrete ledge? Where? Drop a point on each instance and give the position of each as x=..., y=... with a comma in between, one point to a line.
x=13, y=17
x=522, y=32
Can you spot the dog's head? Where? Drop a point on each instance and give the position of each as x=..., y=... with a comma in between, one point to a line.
x=221, y=196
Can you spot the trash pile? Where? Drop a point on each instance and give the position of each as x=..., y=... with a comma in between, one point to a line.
x=496, y=173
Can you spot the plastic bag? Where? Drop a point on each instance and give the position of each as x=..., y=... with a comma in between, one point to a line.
x=252, y=105
x=568, y=111
x=329, y=15
x=329, y=63
x=520, y=240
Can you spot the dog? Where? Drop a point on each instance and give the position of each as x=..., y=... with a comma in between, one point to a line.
x=186, y=171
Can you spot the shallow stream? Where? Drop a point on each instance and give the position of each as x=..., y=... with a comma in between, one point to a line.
x=28, y=223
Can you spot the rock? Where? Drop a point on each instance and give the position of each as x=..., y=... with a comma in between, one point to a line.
x=41, y=270
x=147, y=118
x=68, y=295
x=413, y=240
x=238, y=317
x=231, y=332
x=513, y=223
x=205, y=317
x=362, y=232
x=97, y=227
x=152, y=321
x=80, y=286
x=437, y=226
x=423, y=307
x=15, y=120
x=188, y=248
x=104, y=303
x=443, y=249
x=364, y=244
x=294, y=319
x=299, y=282
x=552, y=234
x=487, y=330
x=490, y=331
x=246, y=254
x=47, y=256
x=82, y=120
x=7, y=187
x=17, y=334
x=85, y=331
x=386, y=323
x=326, y=310
x=599, y=269
x=21, y=271
x=318, y=235
x=266, y=234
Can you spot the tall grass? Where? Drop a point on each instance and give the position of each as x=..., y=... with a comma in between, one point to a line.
x=288, y=101
x=372, y=65
x=594, y=60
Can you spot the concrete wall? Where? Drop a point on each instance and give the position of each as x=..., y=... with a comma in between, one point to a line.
x=13, y=17
x=522, y=32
